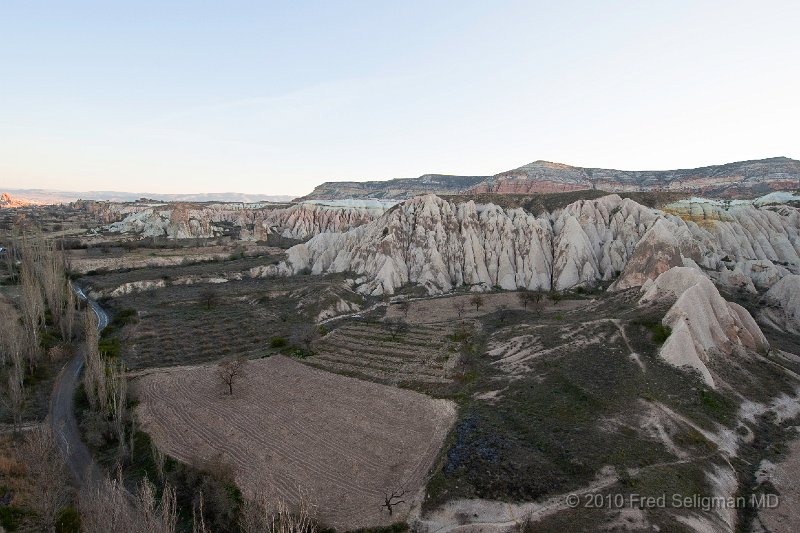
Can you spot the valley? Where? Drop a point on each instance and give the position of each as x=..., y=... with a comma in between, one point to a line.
x=458, y=363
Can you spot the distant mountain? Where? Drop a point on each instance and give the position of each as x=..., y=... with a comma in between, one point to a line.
x=48, y=196
x=733, y=180
x=398, y=189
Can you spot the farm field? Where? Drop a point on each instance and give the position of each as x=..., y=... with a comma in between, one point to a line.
x=289, y=428
x=111, y=257
x=365, y=349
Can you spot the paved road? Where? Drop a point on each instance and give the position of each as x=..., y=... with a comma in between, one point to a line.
x=62, y=407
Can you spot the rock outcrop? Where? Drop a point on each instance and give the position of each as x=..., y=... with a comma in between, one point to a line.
x=440, y=245
x=703, y=324
x=247, y=221
x=782, y=305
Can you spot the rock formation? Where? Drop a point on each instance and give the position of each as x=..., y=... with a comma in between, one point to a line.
x=441, y=245
x=703, y=324
x=247, y=221
x=782, y=304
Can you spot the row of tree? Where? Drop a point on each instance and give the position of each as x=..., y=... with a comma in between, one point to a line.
x=45, y=307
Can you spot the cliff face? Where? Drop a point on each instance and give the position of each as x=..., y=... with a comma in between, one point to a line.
x=441, y=245
x=246, y=221
x=733, y=180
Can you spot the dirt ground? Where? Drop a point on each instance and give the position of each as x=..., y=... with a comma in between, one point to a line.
x=786, y=478
x=290, y=428
x=85, y=260
x=433, y=310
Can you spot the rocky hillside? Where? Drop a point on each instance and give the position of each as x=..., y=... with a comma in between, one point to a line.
x=243, y=221
x=399, y=189
x=733, y=180
x=440, y=245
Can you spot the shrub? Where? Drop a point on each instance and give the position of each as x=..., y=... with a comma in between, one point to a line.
x=278, y=342
x=68, y=520
x=660, y=333
x=109, y=347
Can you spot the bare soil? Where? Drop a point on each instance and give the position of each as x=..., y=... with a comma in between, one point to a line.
x=289, y=428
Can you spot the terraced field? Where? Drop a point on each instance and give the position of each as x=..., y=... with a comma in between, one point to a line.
x=423, y=354
x=290, y=428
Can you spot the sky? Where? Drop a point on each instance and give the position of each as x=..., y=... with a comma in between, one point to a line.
x=277, y=97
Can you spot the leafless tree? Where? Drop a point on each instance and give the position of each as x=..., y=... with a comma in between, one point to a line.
x=459, y=307
x=47, y=474
x=527, y=297
x=396, y=327
x=477, y=301
x=230, y=371
x=404, y=307
x=13, y=353
x=209, y=298
x=393, y=499
x=503, y=312
x=258, y=515
x=94, y=373
x=306, y=334
x=31, y=306
x=105, y=506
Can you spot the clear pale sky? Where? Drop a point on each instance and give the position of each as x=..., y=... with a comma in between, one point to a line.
x=276, y=97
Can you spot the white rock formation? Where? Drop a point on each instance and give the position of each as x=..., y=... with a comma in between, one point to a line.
x=248, y=221
x=783, y=304
x=441, y=245
x=703, y=324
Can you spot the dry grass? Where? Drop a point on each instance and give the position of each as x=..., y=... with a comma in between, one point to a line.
x=290, y=428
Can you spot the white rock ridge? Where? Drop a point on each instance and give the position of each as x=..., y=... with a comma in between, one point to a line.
x=703, y=324
x=441, y=245
x=248, y=221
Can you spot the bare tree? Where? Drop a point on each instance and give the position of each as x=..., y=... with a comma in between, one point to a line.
x=555, y=296
x=209, y=298
x=31, y=305
x=503, y=312
x=95, y=377
x=259, y=516
x=105, y=506
x=13, y=353
x=459, y=308
x=404, y=307
x=306, y=334
x=527, y=297
x=230, y=371
x=396, y=327
x=477, y=301
x=47, y=473
x=392, y=499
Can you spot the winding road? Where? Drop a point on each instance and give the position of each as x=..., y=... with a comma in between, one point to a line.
x=62, y=407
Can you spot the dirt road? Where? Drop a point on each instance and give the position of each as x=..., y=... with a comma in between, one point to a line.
x=62, y=408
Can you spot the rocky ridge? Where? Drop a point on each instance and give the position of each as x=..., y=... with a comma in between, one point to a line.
x=741, y=179
x=441, y=245
x=245, y=221
x=703, y=324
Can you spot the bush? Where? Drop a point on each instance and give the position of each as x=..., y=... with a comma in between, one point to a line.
x=278, y=342
x=11, y=517
x=68, y=520
x=660, y=333
x=109, y=347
